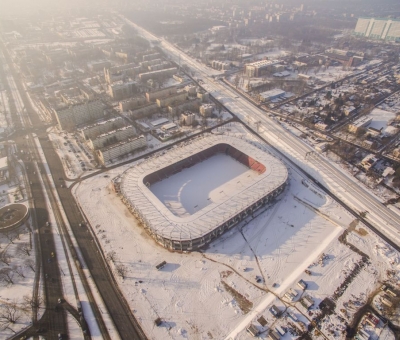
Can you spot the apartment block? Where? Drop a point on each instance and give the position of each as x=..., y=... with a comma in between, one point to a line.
x=120, y=149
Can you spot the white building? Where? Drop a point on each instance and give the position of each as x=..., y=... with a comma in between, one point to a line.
x=359, y=123
x=70, y=117
x=188, y=118
x=94, y=130
x=120, y=149
x=206, y=110
x=111, y=137
x=378, y=28
x=271, y=95
x=120, y=90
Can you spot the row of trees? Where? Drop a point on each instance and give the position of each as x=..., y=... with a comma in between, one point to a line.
x=120, y=269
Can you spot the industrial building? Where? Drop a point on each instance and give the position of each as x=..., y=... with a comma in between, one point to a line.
x=271, y=95
x=378, y=28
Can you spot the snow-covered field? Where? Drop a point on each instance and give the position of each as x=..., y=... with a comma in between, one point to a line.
x=196, y=187
x=215, y=293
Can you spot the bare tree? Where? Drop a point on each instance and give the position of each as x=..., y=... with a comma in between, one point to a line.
x=121, y=270
x=7, y=276
x=24, y=249
x=9, y=314
x=31, y=302
x=30, y=264
x=11, y=235
x=111, y=256
x=18, y=270
x=5, y=258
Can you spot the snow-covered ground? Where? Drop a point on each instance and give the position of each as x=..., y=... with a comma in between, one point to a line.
x=17, y=279
x=196, y=187
x=215, y=293
x=380, y=118
x=75, y=156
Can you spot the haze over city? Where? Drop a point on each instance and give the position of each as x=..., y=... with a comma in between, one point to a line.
x=200, y=169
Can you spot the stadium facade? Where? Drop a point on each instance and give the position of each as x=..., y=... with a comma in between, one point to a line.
x=192, y=232
x=378, y=28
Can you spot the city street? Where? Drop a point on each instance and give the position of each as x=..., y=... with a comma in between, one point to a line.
x=335, y=180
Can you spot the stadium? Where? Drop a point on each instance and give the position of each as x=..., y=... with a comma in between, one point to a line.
x=189, y=195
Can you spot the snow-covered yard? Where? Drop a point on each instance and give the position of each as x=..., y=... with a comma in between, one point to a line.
x=218, y=292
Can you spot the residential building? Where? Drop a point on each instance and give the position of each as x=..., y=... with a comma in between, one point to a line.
x=168, y=72
x=162, y=93
x=359, y=124
x=131, y=104
x=111, y=137
x=206, y=110
x=96, y=66
x=144, y=111
x=151, y=56
x=203, y=96
x=120, y=90
x=188, y=118
x=378, y=28
x=259, y=68
x=191, y=105
x=174, y=99
x=117, y=73
x=71, y=117
x=94, y=130
x=122, y=148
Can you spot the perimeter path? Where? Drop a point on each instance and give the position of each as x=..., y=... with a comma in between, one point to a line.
x=336, y=180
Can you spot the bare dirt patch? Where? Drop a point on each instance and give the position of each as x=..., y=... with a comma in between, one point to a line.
x=244, y=304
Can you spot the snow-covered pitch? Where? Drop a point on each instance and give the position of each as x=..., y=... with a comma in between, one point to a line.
x=218, y=208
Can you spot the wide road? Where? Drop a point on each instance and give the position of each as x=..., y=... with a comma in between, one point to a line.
x=346, y=188
x=124, y=321
x=53, y=322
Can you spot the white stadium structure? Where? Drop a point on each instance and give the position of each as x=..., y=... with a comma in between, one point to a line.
x=189, y=195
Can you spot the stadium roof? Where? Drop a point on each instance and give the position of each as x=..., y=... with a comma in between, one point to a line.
x=164, y=223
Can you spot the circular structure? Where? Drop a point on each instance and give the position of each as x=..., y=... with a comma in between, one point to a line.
x=191, y=194
x=13, y=215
